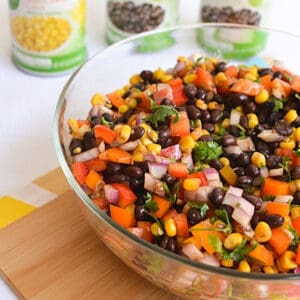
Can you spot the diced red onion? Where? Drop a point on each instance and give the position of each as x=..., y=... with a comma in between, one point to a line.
x=202, y=193
x=86, y=155
x=111, y=194
x=163, y=91
x=276, y=172
x=297, y=270
x=283, y=198
x=188, y=160
x=103, y=109
x=264, y=172
x=209, y=259
x=192, y=252
x=235, y=117
x=94, y=111
x=211, y=174
x=241, y=216
x=215, y=183
x=233, y=149
x=136, y=231
x=140, y=117
x=179, y=67
x=270, y=135
x=101, y=146
x=231, y=199
x=129, y=146
x=246, y=144
x=172, y=152
x=235, y=191
x=157, y=158
x=157, y=169
x=153, y=185
x=189, y=196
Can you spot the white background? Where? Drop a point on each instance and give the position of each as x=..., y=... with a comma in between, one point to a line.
x=27, y=103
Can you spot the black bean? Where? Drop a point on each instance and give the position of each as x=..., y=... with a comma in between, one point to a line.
x=136, y=133
x=117, y=178
x=134, y=172
x=244, y=181
x=227, y=208
x=215, y=115
x=113, y=168
x=216, y=196
x=206, y=138
x=255, y=200
x=163, y=241
x=257, y=181
x=264, y=71
x=238, y=99
x=193, y=216
x=252, y=170
x=120, y=120
x=140, y=86
x=277, y=74
x=274, y=116
x=190, y=90
x=169, y=179
x=218, y=98
x=193, y=112
x=147, y=76
x=273, y=161
x=95, y=121
x=262, y=147
x=201, y=93
x=205, y=116
x=107, y=117
x=166, y=101
x=240, y=171
x=137, y=185
x=210, y=127
x=172, y=245
x=273, y=220
x=75, y=146
x=88, y=141
x=243, y=159
x=261, y=127
x=164, y=132
x=244, y=122
x=143, y=165
x=249, y=107
x=220, y=67
x=295, y=172
x=128, y=114
x=255, y=220
x=215, y=163
x=141, y=214
x=296, y=198
x=234, y=130
x=283, y=128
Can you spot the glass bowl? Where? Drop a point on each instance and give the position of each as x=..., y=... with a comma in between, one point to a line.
x=111, y=69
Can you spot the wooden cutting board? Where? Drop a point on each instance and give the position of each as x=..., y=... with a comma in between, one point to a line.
x=53, y=253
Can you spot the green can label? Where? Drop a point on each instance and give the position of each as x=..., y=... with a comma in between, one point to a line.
x=48, y=36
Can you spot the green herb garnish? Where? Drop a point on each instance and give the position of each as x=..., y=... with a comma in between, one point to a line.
x=223, y=215
x=268, y=198
x=296, y=240
x=161, y=112
x=202, y=207
x=285, y=164
x=149, y=203
x=207, y=151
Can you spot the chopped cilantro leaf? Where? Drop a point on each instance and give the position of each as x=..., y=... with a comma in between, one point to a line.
x=149, y=203
x=202, y=207
x=207, y=151
x=223, y=215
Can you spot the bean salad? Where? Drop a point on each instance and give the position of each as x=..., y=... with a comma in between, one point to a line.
x=201, y=159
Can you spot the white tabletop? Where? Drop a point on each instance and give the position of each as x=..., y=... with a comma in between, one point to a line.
x=28, y=102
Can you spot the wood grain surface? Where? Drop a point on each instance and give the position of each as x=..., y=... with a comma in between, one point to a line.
x=54, y=254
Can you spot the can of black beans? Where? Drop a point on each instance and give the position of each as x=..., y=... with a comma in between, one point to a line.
x=127, y=18
x=235, y=43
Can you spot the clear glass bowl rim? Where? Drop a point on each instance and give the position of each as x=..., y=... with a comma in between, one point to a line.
x=103, y=216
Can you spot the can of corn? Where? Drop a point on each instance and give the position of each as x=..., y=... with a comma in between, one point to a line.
x=48, y=36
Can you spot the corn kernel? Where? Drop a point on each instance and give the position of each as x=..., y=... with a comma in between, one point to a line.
x=141, y=148
x=287, y=260
x=233, y=240
x=297, y=134
x=73, y=124
x=220, y=78
x=120, y=92
x=189, y=78
x=131, y=102
x=217, y=128
x=287, y=143
x=262, y=96
x=154, y=148
x=156, y=229
x=137, y=156
x=147, y=128
x=250, y=76
x=158, y=73
x=182, y=58
x=123, y=134
x=258, y=159
x=170, y=227
x=166, y=77
x=153, y=135
x=225, y=123
x=98, y=99
x=225, y=161
x=244, y=266
x=291, y=116
x=134, y=79
x=146, y=141
x=191, y=184
x=213, y=105
x=295, y=212
x=252, y=120
x=123, y=108
x=201, y=104
x=270, y=270
x=239, y=108
x=198, y=123
x=227, y=262
x=253, y=70
x=187, y=143
x=262, y=232
x=196, y=134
